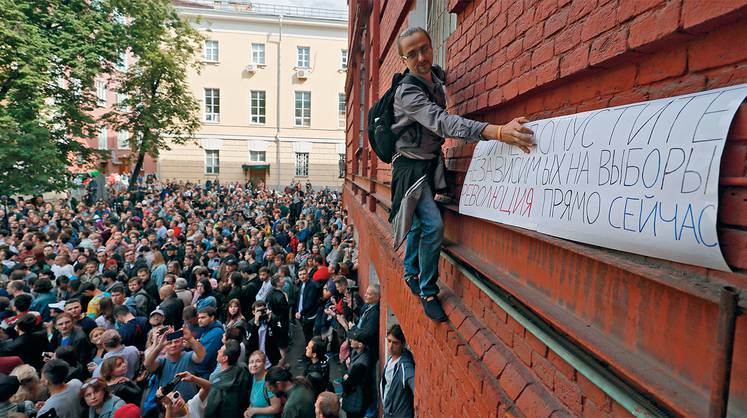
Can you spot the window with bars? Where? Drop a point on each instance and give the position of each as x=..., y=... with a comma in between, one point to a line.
x=101, y=93
x=257, y=156
x=344, y=59
x=302, y=164
x=440, y=24
x=341, y=110
x=341, y=166
x=257, y=110
x=303, y=108
x=123, y=140
x=303, y=57
x=103, y=138
x=258, y=54
x=212, y=162
x=212, y=105
x=210, y=51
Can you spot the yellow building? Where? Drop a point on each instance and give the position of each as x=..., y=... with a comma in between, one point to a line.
x=272, y=96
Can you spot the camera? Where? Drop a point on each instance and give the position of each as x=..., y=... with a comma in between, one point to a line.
x=263, y=316
x=353, y=288
x=169, y=387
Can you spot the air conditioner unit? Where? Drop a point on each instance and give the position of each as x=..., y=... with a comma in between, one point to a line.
x=250, y=68
x=303, y=74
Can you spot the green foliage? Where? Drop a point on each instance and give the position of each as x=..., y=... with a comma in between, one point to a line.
x=51, y=52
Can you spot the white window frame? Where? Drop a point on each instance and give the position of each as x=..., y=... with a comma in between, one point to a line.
x=101, y=93
x=211, y=109
x=257, y=156
x=300, y=119
x=303, y=57
x=258, y=53
x=344, y=59
x=121, y=97
x=121, y=64
x=212, y=161
x=103, y=138
x=341, y=110
x=123, y=139
x=211, y=51
x=258, y=110
x=302, y=164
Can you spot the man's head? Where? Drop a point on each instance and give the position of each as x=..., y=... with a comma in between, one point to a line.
x=111, y=339
x=327, y=405
x=303, y=274
x=373, y=294
x=64, y=323
x=134, y=285
x=206, y=316
x=156, y=318
x=264, y=274
x=121, y=313
x=74, y=308
x=229, y=354
x=118, y=294
x=278, y=380
x=316, y=349
x=416, y=50
x=22, y=302
x=55, y=372
x=395, y=340
x=166, y=291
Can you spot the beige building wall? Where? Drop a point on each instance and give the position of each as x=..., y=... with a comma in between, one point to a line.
x=235, y=135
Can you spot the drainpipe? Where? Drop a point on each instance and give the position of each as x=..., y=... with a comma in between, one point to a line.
x=277, y=109
x=727, y=318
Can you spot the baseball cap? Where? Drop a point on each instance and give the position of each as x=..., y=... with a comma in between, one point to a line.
x=157, y=311
x=128, y=410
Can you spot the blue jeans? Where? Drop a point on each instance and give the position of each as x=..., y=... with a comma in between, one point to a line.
x=424, y=243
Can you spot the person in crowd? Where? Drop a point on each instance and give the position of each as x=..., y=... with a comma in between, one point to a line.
x=68, y=334
x=43, y=296
x=74, y=308
x=308, y=302
x=114, y=372
x=30, y=387
x=76, y=369
x=327, y=405
x=155, y=320
x=277, y=303
x=204, y=296
x=101, y=403
x=397, y=387
x=105, y=318
x=414, y=213
x=357, y=382
x=134, y=330
x=263, y=331
x=210, y=339
x=140, y=298
x=64, y=397
x=30, y=343
x=171, y=306
x=368, y=318
x=97, y=348
x=234, y=318
x=299, y=397
x=317, y=370
x=178, y=407
x=230, y=385
x=263, y=403
x=180, y=286
x=175, y=360
x=113, y=346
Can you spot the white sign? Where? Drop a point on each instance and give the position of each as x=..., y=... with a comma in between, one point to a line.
x=641, y=178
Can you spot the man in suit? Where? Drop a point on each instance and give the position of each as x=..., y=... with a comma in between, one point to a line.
x=308, y=302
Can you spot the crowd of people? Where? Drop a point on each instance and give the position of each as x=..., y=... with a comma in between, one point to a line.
x=183, y=299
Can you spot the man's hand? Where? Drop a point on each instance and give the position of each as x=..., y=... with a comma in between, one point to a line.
x=512, y=133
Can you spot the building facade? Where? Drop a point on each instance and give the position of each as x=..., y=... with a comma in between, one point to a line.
x=541, y=326
x=271, y=92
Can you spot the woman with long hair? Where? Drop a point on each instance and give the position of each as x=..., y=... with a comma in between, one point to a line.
x=204, y=296
x=262, y=402
x=98, y=348
x=114, y=372
x=31, y=388
x=106, y=313
x=234, y=318
x=158, y=269
x=101, y=403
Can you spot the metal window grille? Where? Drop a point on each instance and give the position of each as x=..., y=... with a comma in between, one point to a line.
x=302, y=164
x=211, y=51
x=212, y=162
x=303, y=108
x=341, y=166
x=303, y=57
x=344, y=59
x=440, y=24
x=258, y=54
x=258, y=110
x=341, y=110
x=212, y=105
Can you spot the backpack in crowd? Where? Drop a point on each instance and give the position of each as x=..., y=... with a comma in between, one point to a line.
x=381, y=117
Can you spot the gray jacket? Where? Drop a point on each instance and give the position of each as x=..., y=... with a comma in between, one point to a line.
x=399, y=400
x=412, y=105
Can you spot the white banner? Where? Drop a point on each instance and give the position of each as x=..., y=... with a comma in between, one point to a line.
x=641, y=178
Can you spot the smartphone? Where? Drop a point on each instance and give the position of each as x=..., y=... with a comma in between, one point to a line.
x=174, y=335
x=162, y=330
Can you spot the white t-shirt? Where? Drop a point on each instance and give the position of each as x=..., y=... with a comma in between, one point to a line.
x=195, y=407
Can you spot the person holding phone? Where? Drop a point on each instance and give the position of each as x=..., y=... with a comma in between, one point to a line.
x=175, y=360
x=177, y=406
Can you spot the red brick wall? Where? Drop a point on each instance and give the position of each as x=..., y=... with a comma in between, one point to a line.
x=651, y=320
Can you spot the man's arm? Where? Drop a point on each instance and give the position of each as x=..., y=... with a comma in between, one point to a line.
x=198, y=351
x=151, y=355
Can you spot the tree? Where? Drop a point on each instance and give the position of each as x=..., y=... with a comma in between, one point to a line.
x=50, y=54
x=159, y=107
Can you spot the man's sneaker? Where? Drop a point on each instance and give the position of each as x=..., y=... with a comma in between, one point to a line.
x=414, y=284
x=433, y=309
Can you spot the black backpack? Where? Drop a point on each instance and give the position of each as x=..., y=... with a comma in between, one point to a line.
x=381, y=117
